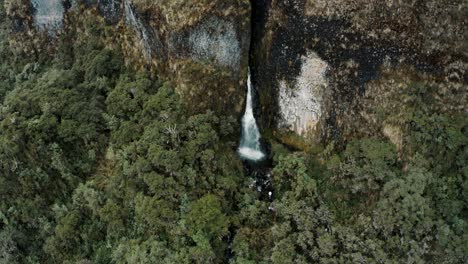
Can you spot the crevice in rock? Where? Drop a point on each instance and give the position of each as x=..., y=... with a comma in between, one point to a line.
x=259, y=19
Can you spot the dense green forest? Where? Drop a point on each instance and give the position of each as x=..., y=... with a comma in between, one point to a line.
x=102, y=163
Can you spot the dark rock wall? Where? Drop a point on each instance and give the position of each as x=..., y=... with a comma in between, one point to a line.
x=355, y=38
x=111, y=10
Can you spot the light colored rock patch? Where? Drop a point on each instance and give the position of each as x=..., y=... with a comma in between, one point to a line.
x=216, y=39
x=394, y=134
x=300, y=103
x=48, y=13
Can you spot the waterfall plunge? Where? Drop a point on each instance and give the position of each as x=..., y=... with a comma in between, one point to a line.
x=250, y=142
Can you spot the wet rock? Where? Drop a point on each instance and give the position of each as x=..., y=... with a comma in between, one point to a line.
x=148, y=37
x=210, y=33
x=201, y=46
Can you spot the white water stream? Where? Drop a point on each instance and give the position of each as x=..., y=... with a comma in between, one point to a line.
x=250, y=142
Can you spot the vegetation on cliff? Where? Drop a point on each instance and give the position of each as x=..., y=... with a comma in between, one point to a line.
x=102, y=163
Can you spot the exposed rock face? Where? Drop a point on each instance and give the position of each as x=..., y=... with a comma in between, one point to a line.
x=212, y=40
x=313, y=62
x=301, y=105
x=355, y=39
x=148, y=37
x=384, y=105
x=49, y=14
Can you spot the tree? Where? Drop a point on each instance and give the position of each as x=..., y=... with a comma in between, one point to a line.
x=366, y=165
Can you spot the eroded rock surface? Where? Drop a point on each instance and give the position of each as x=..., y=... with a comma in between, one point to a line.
x=313, y=61
x=200, y=46
x=111, y=10
x=213, y=40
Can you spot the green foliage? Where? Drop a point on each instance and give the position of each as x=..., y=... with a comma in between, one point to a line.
x=57, y=126
x=8, y=66
x=53, y=131
x=290, y=174
x=205, y=217
x=102, y=164
x=441, y=139
x=152, y=203
x=301, y=216
x=366, y=165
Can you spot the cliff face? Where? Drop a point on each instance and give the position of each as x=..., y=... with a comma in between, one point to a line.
x=322, y=58
x=202, y=47
x=319, y=67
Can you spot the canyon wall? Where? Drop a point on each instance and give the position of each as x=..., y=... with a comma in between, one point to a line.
x=320, y=68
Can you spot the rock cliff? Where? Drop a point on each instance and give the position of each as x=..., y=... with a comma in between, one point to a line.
x=319, y=67
x=320, y=59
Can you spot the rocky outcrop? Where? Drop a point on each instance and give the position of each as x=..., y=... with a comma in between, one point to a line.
x=300, y=106
x=49, y=15
x=111, y=10
x=356, y=39
x=213, y=40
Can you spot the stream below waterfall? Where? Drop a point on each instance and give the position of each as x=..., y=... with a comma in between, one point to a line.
x=252, y=151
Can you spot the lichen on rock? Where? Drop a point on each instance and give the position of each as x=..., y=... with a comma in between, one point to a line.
x=300, y=106
x=216, y=40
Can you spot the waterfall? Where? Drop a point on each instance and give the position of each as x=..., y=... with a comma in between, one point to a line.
x=250, y=142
